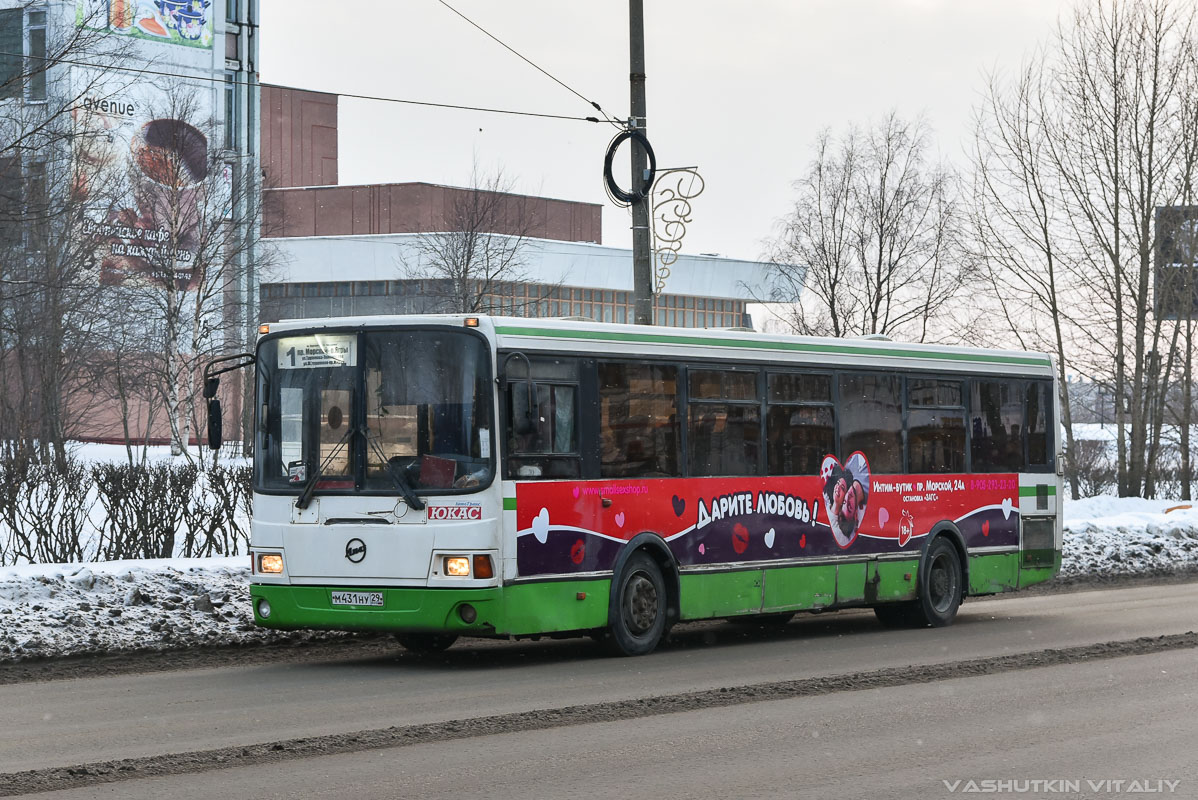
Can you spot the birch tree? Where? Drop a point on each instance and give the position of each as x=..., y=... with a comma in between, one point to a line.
x=177, y=257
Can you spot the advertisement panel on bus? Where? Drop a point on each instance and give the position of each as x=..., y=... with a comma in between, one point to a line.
x=567, y=527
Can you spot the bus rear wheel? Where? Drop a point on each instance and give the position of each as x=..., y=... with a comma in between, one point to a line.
x=639, y=620
x=426, y=643
x=941, y=588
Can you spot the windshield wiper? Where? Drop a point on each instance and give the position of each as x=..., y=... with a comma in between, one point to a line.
x=305, y=496
x=409, y=496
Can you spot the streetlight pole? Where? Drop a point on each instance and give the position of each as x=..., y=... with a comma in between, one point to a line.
x=642, y=275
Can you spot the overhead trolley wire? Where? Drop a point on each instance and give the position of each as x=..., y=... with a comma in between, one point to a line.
x=535, y=66
x=376, y=98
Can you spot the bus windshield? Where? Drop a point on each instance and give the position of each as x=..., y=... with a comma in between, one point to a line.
x=368, y=410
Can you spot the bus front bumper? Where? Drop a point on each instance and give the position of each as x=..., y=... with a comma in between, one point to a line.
x=402, y=609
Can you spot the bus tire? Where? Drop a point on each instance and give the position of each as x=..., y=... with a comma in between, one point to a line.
x=426, y=643
x=638, y=618
x=941, y=588
x=941, y=584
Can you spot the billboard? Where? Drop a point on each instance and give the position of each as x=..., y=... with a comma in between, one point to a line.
x=144, y=152
x=186, y=23
x=1175, y=285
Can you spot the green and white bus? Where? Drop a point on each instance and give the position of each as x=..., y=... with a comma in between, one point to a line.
x=445, y=476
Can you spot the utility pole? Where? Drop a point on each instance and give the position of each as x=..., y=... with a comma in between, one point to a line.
x=642, y=273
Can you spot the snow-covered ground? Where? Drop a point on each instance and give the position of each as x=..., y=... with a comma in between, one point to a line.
x=1129, y=535
x=70, y=609
x=96, y=453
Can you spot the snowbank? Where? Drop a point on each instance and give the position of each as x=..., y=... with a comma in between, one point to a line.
x=1129, y=535
x=69, y=609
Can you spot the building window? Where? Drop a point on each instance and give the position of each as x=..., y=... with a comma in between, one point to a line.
x=11, y=48
x=370, y=288
x=232, y=99
x=37, y=206
x=36, y=68
x=10, y=202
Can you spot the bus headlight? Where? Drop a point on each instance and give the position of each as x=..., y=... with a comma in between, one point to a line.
x=457, y=566
x=270, y=563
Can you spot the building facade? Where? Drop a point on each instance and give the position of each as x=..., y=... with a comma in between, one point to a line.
x=129, y=207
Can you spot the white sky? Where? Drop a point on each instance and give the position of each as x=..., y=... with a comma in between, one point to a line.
x=738, y=88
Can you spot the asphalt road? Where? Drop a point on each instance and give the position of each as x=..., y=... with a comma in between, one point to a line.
x=877, y=742
x=1119, y=720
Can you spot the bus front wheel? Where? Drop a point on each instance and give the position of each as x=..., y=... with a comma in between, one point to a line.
x=639, y=618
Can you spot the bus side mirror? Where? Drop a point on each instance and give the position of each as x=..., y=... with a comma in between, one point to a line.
x=212, y=383
x=215, y=423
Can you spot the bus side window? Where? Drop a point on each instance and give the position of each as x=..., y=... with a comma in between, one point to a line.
x=550, y=448
x=799, y=425
x=996, y=425
x=724, y=434
x=639, y=429
x=871, y=420
x=935, y=426
x=1039, y=403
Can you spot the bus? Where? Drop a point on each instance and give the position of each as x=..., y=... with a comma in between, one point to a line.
x=466, y=475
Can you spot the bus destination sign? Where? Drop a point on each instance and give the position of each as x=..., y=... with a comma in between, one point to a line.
x=320, y=350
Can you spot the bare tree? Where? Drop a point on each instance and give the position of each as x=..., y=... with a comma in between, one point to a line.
x=1117, y=141
x=480, y=252
x=1018, y=225
x=48, y=289
x=868, y=247
x=1075, y=161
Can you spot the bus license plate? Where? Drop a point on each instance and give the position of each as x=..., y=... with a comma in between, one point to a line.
x=358, y=598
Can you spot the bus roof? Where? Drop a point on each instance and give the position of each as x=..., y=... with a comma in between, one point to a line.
x=605, y=338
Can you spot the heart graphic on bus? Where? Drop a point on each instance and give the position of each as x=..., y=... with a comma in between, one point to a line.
x=769, y=538
x=846, y=493
x=906, y=528
x=679, y=505
x=1006, y=508
x=986, y=528
x=540, y=526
